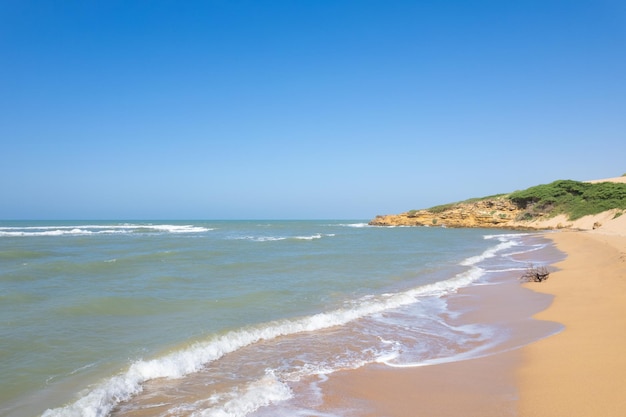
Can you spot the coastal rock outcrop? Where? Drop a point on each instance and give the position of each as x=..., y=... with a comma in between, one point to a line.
x=489, y=213
x=562, y=204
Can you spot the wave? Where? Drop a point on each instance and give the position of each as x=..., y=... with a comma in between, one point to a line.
x=498, y=271
x=278, y=238
x=526, y=248
x=257, y=394
x=86, y=230
x=313, y=237
x=506, y=242
x=356, y=225
x=100, y=400
x=506, y=235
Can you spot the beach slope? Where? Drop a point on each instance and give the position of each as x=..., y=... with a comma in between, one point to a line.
x=582, y=370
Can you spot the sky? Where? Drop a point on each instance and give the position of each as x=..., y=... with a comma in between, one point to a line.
x=229, y=109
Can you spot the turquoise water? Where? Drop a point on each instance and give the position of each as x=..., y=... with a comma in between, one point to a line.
x=226, y=317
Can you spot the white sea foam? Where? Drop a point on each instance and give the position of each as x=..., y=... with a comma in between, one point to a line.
x=533, y=248
x=514, y=237
x=240, y=401
x=315, y=236
x=279, y=238
x=257, y=394
x=477, y=352
x=177, y=228
x=490, y=253
x=493, y=343
x=357, y=225
x=491, y=271
x=87, y=229
x=262, y=238
x=504, y=236
x=101, y=399
x=57, y=232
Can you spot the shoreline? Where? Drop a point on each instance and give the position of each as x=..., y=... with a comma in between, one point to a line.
x=580, y=371
x=482, y=386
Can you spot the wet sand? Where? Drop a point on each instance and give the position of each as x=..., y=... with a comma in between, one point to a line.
x=484, y=386
x=580, y=371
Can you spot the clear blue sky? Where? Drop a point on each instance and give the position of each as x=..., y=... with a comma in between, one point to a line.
x=301, y=109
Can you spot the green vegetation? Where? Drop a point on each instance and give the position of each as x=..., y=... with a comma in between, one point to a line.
x=445, y=207
x=573, y=198
x=442, y=208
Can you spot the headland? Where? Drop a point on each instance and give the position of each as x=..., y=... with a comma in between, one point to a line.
x=580, y=371
x=563, y=204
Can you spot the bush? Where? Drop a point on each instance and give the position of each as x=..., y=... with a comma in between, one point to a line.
x=574, y=198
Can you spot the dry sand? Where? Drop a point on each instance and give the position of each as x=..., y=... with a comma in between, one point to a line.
x=616, y=179
x=580, y=371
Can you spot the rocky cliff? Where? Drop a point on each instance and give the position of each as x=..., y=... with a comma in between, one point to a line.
x=496, y=212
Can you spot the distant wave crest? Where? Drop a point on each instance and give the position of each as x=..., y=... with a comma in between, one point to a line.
x=107, y=229
x=356, y=225
x=278, y=238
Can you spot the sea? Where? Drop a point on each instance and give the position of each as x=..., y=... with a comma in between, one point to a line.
x=234, y=318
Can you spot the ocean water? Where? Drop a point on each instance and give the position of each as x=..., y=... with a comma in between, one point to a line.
x=231, y=318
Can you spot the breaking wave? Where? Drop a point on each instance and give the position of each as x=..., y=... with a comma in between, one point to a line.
x=100, y=400
x=109, y=229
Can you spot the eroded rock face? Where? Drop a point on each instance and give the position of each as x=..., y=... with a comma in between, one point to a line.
x=499, y=212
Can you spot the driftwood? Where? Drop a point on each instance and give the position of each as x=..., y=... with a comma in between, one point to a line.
x=535, y=274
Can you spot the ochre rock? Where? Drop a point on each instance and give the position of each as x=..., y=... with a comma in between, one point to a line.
x=490, y=213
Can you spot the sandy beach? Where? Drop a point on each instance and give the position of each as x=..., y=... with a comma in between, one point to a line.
x=579, y=371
